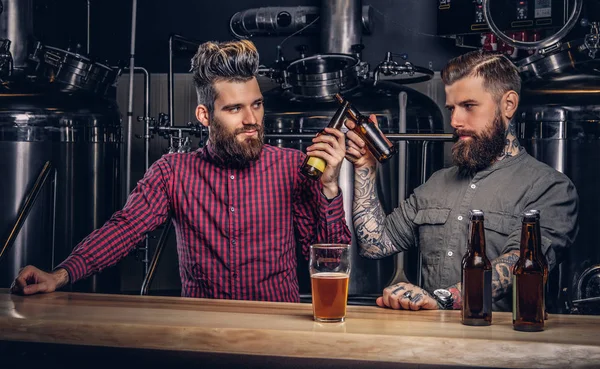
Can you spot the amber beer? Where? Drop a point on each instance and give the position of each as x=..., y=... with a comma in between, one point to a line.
x=330, y=295
x=381, y=148
x=329, y=266
x=529, y=275
x=476, y=276
x=313, y=167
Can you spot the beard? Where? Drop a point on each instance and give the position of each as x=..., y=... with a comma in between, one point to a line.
x=481, y=150
x=236, y=154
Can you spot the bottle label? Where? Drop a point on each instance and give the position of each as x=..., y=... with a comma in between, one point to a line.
x=514, y=297
x=487, y=292
x=317, y=163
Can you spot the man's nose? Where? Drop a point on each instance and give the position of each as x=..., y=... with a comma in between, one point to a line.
x=249, y=116
x=456, y=120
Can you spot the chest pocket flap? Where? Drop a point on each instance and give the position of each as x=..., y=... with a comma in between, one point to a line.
x=500, y=223
x=432, y=216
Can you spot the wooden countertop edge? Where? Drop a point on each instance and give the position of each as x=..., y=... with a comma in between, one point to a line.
x=300, y=344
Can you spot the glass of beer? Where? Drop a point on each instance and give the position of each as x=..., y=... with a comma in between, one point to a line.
x=329, y=273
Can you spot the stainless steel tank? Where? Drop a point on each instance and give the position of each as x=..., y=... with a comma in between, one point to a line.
x=559, y=124
x=80, y=134
x=399, y=109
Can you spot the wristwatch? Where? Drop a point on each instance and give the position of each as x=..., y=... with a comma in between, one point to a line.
x=444, y=298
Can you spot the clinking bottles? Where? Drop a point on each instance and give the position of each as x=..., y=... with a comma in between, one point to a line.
x=375, y=140
x=529, y=275
x=476, y=276
x=313, y=167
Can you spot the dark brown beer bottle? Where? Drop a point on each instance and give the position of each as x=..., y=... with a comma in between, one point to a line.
x=476, y=276
x=542, y=259
x=313, y=167
x=381, y=148
x=528, y=279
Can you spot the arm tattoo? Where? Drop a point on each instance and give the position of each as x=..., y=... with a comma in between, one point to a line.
x=369, y=217
x=456, y=292
x=512, y=145
x=502, y=274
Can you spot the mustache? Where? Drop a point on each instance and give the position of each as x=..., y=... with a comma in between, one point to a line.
x=248, y=128
x=463, y=132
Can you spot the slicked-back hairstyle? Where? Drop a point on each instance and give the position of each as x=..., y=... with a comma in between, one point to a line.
x=499, y=74
x=233, y=61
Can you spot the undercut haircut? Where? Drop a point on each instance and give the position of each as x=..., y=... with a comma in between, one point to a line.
x=499, y=74
x=232, y=61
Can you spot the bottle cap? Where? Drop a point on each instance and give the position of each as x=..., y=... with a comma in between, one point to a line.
x=531, y=215
x=476, y=214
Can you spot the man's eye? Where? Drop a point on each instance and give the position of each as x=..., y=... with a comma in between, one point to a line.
x=234, y=110
x=257, y=105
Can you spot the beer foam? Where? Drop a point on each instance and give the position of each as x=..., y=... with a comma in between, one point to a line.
x=330, y=275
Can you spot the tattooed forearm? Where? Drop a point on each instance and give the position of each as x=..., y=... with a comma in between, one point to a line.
x=368, y=217
x=502, y=274
x=512, y=145
x=456, y=292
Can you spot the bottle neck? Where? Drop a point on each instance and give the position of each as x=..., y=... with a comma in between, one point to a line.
x=477, y=237
x=530, y=241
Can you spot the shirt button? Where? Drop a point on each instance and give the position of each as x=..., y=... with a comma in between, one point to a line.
x=459, y=217
x=330, y=212
x=233, y=242
x=473, y=186
x=235, y=275
x=232, y=209
x=232, y=177
x=450, y=253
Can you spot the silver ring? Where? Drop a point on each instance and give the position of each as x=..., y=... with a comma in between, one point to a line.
x=408, y=295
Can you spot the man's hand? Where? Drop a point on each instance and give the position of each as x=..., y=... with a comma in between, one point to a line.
x=356, y=151
x=406, y=296
x=331, y=148
x=31, y=280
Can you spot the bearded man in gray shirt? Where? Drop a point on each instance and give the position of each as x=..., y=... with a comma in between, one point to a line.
x=492, y=172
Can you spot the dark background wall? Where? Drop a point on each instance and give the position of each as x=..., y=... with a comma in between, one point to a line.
x=402, y=26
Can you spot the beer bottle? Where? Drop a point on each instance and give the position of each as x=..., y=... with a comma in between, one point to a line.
x=314, y=166
x=381, y=148
x=528, y=279
x=542, y=259
x=476, y=276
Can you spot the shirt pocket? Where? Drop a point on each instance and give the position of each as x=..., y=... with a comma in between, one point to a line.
x=431, y=223
x=498, y=226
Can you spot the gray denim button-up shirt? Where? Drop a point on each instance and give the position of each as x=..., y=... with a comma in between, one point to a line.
x=436, y=216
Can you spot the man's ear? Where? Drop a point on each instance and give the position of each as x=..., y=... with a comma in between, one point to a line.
x=509, y=104
x=202, y=115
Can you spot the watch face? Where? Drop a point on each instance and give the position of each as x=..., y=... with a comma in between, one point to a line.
x=442, y=294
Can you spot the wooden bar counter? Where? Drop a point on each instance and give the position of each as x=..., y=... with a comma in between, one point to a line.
x=221, y=333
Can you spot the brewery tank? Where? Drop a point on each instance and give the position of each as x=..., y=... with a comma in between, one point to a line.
x=80, y=134
x=399, y=109
x=559, y=124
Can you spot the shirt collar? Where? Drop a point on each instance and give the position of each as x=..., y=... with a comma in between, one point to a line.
x=500, y=164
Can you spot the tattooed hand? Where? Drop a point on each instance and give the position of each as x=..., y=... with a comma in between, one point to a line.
x=406, y=296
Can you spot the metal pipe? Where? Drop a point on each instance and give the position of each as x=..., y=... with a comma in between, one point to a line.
x=16, y=25
x=130, y=105
x=88, y=27
x=284, y=20
x=162, y=241
x=146, y=137
x=390, y=136
x=30, y=199
x=340, y=25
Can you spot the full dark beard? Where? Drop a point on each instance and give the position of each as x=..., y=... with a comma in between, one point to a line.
x=236, y=154
x=482, y=150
